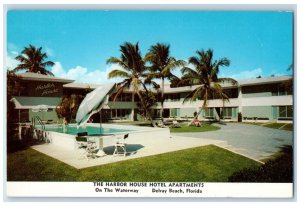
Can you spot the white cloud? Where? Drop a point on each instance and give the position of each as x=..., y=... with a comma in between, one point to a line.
x=58, y=70
x=11, y=62
x=247, y=74
x=82, y=75
x=12, y=47
x=49, y=52
x=14, y=53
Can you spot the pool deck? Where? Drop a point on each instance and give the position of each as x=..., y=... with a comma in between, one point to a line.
x=136, y=146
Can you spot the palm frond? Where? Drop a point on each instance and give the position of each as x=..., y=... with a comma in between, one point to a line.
x=32, y=60
x=44, y=71
x=47, y=63
x=20, y=67
x=192, y=96
x=231, y=80
x=118, y=73
x=114, y=60
x=173, y=64
x=187, y=70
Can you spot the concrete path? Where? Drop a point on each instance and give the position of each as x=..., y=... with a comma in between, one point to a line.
x=253, y=141
x=136, y=147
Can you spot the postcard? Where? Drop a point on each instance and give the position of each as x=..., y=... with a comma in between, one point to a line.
x=150, y=103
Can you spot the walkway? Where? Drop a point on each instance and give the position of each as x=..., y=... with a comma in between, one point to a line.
x=253, y=141
x=136, y=146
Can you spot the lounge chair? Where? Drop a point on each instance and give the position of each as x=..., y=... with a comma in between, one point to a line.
x=47, y=137
x=160, y=124
x=195, y=122
x=120, y=143
x=175, y=124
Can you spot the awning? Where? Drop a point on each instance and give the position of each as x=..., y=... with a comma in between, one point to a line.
x=33, y=102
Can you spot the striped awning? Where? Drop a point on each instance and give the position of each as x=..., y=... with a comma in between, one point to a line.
x=33, y=102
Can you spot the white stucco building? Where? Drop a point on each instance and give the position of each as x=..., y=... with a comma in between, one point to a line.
x=260, y=99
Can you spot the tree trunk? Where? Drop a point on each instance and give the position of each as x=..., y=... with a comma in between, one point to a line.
x=146, y=110
x=194, y=119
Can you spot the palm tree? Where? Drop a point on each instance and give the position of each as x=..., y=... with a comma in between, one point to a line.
x=288, y=85
x=205, y=75
x=161, y=66
x=133, y=68
x=33, y=60
x=68, y=107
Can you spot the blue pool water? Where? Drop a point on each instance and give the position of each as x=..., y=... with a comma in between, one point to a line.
x=72, y=129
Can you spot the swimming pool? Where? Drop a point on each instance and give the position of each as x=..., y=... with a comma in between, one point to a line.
x=66, y=138
x=91, y=130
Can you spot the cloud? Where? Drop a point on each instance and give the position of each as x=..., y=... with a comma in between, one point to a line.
x=247, y=74
x=49, y=52
x=58, y=70
x=10, y=61
x=12, y=47
x=83, y=75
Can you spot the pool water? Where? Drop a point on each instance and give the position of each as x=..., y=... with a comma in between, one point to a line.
x=72, y=129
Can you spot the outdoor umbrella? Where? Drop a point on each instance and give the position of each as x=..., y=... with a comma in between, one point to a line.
x=93, y=102
x=40, y=108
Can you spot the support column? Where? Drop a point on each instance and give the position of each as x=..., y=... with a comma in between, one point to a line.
x=240, y=99
x=132, y=107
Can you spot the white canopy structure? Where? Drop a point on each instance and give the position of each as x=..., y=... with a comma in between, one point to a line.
x=94, y=102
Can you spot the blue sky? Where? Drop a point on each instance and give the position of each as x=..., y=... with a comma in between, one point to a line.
x=80, y=42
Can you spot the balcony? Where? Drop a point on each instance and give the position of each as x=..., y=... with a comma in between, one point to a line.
x=267, y=101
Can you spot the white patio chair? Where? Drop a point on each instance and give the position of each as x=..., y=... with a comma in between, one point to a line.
x=91, y=149
x=86, y=146
x=35, y=135
x=175, y=124
x=120, y=143
x=47, y=136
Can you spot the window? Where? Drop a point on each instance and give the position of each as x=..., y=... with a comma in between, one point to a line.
x=174, y=112
x=209, y=112
x=281, y=91
x=231, y=93
x=285, y=111
x=120, y=113
x=172, y=97
x=156, y=113
x=113, y=113
x=227, y=112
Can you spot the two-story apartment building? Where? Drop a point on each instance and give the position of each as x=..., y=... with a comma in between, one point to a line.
x=265, y=99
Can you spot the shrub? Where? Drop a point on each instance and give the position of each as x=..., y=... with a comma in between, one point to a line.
x=262, y=118
x=279, y=169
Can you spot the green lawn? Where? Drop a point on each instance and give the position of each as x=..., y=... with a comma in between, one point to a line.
x=278, y=125
x=203, y=128
x=287, y=126
x=254, y=123
x=207, y=164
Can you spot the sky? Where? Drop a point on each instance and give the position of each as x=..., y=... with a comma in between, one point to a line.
x=258, y=43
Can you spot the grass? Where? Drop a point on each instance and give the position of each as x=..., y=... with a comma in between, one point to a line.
x=279, y=125
x=137, y=123
x=208, y=164
x=278, y=168
x=286, y=126
x=203, y=128
x=254, y=123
